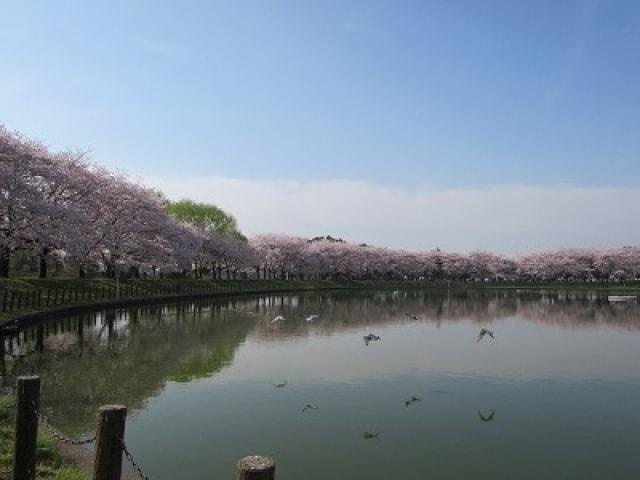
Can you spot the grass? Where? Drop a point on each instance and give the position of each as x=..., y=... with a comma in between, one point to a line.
x=26, y=294
x=50, y=464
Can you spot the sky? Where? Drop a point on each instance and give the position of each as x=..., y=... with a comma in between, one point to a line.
x=503, y=125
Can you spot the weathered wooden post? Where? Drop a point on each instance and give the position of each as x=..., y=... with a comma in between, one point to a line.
x=28, y=403
x=109, y=438
x=3, y=368
x=255, y=468
x=40, y=338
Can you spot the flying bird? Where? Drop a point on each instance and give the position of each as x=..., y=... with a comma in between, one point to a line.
x=278, y=319
x=412, y=316
x=308, y=406
x=487, y=418
x=280, y=385
x=410, y=401
x=311, y=318
x=370, y=435
x=371, y=338
x=484, y=332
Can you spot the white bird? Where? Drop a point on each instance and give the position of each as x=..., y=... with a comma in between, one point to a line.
x=311, y=318
x=278, y=319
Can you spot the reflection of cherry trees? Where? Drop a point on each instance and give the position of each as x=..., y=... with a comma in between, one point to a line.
x=354, y=311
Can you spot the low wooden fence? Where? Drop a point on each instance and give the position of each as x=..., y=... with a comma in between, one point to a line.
x=109, y=441
x=16, y=300
x=12, y=300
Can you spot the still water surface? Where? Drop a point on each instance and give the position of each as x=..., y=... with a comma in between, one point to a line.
x=555, y=395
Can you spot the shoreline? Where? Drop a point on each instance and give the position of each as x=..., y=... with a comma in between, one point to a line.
x=235, y=288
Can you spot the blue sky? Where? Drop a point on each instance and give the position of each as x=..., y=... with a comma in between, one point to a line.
x=405, y=95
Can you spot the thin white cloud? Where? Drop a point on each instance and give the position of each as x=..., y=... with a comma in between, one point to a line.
x=504, y=219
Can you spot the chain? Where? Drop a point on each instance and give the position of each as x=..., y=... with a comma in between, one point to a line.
x=57, y=435
x=133, y=463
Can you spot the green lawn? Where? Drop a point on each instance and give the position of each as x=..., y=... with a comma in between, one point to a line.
x=50, y=464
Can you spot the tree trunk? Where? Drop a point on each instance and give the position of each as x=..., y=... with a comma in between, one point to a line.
x=110, y=272
x=43, y=265
x=5, y=256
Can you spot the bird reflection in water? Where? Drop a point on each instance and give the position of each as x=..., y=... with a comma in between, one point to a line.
x=486, y=417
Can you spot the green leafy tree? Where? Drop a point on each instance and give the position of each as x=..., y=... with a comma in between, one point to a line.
x=205, y=216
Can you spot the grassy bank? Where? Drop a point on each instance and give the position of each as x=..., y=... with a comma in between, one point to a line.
x=50, y=464
x=27, y=294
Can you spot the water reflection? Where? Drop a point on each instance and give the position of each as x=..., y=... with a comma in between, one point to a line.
x=487, y=417
x=123, y=356
x=216, y=372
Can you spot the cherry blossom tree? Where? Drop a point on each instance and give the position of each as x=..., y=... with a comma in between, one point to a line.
x=37, y=193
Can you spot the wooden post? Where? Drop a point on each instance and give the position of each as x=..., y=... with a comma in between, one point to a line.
x=39, y=338
x=3, y=367
x=109, y=437
x=24, y=455
x=255, y=468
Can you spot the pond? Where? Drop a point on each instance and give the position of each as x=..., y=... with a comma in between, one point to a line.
x=556, y=393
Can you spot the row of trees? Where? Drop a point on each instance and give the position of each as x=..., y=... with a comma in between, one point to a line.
x=328, y=257
x=60, y=204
